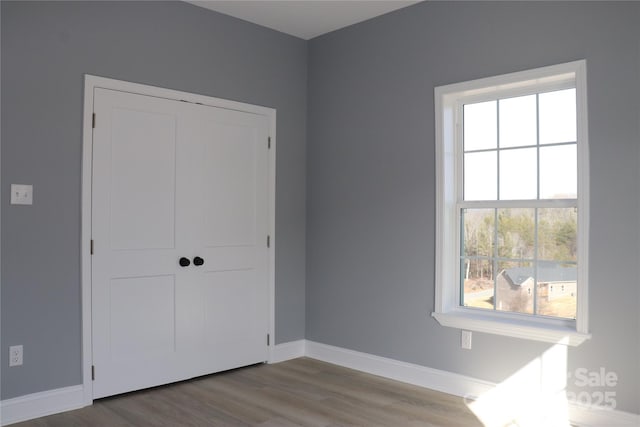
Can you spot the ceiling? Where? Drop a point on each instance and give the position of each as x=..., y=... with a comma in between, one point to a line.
x=303, y=18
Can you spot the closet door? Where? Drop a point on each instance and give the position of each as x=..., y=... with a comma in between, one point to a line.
x=179, y=279
x=229, y=161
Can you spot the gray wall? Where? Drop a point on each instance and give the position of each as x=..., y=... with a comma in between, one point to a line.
x=46, y=49
x=371, y=182
x=369, y=166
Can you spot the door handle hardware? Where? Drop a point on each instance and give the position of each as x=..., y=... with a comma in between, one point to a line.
x=197, y=261
x=184, y=262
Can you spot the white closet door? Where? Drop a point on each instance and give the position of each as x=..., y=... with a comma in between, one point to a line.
x=231, y=234
x=174, y=180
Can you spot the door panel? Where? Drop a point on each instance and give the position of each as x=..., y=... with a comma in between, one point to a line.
x=231, y=186
x=173, y=179
x=142, y=317
x=232, y=334
x=143, y=191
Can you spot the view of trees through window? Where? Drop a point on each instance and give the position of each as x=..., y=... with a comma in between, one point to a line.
x=530, y=250
x=520, y=259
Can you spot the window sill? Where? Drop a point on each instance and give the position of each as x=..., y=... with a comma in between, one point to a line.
x=546, y=330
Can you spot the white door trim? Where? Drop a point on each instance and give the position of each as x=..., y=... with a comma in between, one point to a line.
x=92, y=82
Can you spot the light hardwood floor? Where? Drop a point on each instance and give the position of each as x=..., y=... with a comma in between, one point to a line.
x=300, y=392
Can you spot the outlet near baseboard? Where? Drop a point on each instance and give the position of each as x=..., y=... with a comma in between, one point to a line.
x=15, y=355
x=465, y=340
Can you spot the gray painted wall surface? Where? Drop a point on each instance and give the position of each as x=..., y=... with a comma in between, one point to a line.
x=46, y=49
x=371, y=179
x=369, y=166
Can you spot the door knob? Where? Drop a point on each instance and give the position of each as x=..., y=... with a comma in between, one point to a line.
x=184, y=262
x=198, y=261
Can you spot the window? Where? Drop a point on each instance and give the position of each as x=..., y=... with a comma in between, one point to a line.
x=512, y=209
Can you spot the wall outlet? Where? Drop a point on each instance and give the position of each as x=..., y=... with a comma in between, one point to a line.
x=15, y=355
x=21, y=194
x=465, y=340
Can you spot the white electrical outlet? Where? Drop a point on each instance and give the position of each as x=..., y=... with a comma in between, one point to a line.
x=15, y=355
x=21, y=194
x=465, y=340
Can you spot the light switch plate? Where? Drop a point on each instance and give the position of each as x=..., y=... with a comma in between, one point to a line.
x=21, y=194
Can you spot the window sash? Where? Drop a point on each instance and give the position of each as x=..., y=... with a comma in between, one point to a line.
x=496, y=258
x=498, y=203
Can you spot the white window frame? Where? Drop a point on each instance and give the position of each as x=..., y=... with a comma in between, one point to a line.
x=449, y=100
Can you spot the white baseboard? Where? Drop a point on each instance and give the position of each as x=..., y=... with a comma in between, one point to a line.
x=449, y=382
x=50, y=402
x=287, y=351
x=64, y=399
x=434, y=379
x=41, y=404
x=597, y=417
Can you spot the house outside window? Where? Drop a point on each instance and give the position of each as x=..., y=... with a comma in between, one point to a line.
x=512, y=208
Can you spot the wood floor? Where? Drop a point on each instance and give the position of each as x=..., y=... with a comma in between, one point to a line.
x=300, y=392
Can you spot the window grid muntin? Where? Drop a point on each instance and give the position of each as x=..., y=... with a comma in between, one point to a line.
x=538, y=156
x=554, y=144
x=497, y=163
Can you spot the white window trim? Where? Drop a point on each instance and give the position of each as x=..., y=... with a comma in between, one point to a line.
x=448, y=311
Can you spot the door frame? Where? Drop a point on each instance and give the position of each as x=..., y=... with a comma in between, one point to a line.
x=92, y=82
